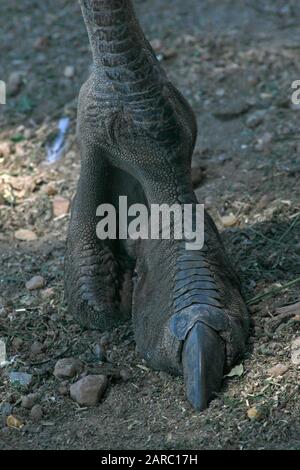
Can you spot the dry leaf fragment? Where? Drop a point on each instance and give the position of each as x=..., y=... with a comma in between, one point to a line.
x=253, y=413
x=229, y=220
x=278, y=370
x=14, y=422
x=237, y=371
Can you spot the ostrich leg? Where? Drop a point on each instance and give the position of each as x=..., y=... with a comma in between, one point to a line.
x=136, y=135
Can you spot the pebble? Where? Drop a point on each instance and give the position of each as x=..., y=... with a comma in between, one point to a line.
x=28, y=401
x=68, y=367
x=36, y=282
x=278, y=370
x=296, y=351
x=100, y=352
x=157, y=45
x=253, y=413
x=231, y=109
x=36, y=413
x=50, y=189
x=5, y=411
x=89, y=390
x=64, y=389
x=229, y=220
x=37, y=348
x=20, y=378
x=69, y=71
x=264, y=141
x=41, y=43
x=5, y=149
x=28, y=134
x=14, y=84
x=263, y=202
x=60, y=206
x=255, y=118
x=105, y=341
x=169, y=53
x=25, y=235
x=125, y=375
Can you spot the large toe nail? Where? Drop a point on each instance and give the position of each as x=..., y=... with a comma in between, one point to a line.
x=203, y=359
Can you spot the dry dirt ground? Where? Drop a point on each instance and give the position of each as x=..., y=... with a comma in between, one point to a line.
x=235, y=62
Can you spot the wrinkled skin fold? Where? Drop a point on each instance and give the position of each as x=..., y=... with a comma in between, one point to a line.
x=136, y=135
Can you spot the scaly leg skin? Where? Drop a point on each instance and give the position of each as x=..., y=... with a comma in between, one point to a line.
x=188, y=313
x=92, y=271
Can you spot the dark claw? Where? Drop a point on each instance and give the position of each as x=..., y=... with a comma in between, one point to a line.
x=203, y=359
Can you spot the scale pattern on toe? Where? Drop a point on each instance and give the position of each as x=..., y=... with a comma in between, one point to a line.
x=204, y=298
x=207, y=290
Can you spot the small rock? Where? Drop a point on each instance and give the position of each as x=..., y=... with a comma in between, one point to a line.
x=69, y=71
x=89, y=390
x=25, y=235
x=14, y=84
x=263, y=202
x=60, y=206
x=296, y=351
x=229, y=220
x=28, y=401
x=231, y=108
x=105, y=341
x=157, y=45
x=20, y=378
x=41, y=43
x=278, y=370
x=252, y=80
x=254, y=414
x=296, y=318
x=223, y=158
x=255, y=119
x=37, y=348
x=220, y=92
x=169, y=53
x=28, y=134
x=36, y=413
x=64, y=389
x=68, y=367
x=36, y=282
x=17, y=343
x=100, y=352
x=125, y=375
x=163, y=375
x=5, y=411
x=264, y=141
x=5, y=149
x=50, y=189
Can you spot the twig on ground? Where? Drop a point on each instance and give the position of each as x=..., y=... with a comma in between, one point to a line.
x=271, y=293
